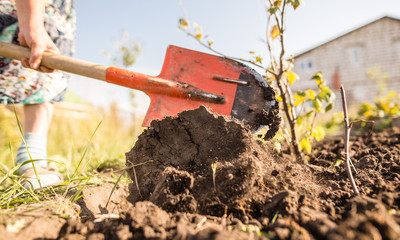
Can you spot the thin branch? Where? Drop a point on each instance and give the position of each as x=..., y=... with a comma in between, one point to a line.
x=180, y=4
x=346, y=142
x=300, y=112
x=229, y=57
x=286, y=102
x=283, y=51
x=314, y=120
x=136, y=181
x=291, y=104
x=283, y=19
x=271, y=52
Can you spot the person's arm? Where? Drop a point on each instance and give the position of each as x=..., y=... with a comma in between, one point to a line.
x=32, y=33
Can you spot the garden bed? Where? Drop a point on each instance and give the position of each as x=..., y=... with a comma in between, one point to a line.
x=203, y=176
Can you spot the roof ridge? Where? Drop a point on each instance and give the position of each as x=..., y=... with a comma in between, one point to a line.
x=347, y=32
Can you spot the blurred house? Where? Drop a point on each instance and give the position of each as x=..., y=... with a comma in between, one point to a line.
x=373, y=47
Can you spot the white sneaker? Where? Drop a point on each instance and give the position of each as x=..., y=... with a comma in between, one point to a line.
x=48, y=176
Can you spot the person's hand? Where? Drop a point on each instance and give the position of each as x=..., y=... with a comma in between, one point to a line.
x=39, y=42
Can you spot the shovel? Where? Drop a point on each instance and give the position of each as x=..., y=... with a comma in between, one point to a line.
x=188, y=79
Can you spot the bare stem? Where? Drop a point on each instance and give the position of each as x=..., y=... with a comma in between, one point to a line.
x=291, y=104
x=271, y=52
x=136, y=181
x=290, y=119
x=346, y=142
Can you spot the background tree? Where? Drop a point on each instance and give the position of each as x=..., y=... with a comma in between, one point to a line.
x=301, y=107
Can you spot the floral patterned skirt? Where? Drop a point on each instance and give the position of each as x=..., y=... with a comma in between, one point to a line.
x=27, y=86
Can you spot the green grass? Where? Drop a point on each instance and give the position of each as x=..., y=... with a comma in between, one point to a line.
x=87, y=151
x=70, y=139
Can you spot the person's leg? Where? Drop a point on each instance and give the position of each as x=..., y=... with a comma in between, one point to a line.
x=37, y=119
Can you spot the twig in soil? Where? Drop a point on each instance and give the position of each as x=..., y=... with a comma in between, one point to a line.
x=352, y=165
x=346, y=142
x=350, y=126
x=102, y=217
x=136, y=181
x=201, y=223
x=134, y=174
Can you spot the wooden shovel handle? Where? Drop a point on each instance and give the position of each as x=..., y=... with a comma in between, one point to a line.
x=55, y=61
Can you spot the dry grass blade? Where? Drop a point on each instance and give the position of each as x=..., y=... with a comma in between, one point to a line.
x=114, y=187
x=86, y=149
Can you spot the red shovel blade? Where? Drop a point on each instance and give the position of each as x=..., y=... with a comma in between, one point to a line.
x=190, y=79
x=196, y=69
x=183, y=71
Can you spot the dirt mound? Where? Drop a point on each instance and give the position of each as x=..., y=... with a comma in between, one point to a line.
x=203, y=163
x=173, y=168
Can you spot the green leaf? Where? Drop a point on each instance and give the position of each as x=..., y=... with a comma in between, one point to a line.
x=301, y=93
x=317, y=105
x=325, y=96
x=329, y=107
x=305, y=145
x=259, y=59
x=300, y=120
x=310, y=94
x=318, y=133
x=296, y=3
x=326, y=90
x=394, y=111
x=198, y=36
x=307, y=115
x=275, y=32
x=183, y=23
x=318, y=77
x=299, y=98
x=277, y=3
x=291, y=77
x=337, y=163
x=273, y=10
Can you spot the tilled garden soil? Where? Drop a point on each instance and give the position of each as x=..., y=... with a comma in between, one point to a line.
x=203, y=176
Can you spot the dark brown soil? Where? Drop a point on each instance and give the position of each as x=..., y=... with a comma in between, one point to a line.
x=178, y=155
x=253, y=192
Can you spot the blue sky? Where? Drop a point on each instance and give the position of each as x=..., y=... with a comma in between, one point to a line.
x=236, y=26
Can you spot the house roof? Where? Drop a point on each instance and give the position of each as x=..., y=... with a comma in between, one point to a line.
x=320, y=45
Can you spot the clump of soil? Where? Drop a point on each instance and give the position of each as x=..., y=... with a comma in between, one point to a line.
x=173, y=165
